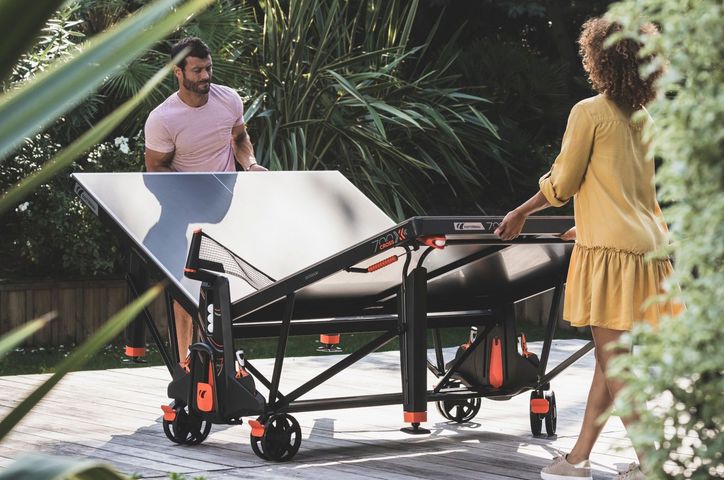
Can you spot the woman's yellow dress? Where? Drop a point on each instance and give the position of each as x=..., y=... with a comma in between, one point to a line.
x=604, y=165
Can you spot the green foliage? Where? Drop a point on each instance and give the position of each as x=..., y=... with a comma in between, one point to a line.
x=229, y=28
x=51, y=231
x=58, y=231
x=65, y=83
x=20, y=21
x=530, y=97
x=341, y=89
x=42, y=467
x=680, y=366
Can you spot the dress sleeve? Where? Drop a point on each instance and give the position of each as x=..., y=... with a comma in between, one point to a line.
x=157, y=136
x=565, y=176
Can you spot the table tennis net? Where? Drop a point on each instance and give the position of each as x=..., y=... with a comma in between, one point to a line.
x=209, y=254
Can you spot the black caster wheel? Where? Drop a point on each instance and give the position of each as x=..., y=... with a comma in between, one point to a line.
x=536, y=421
x=459, y=411
x=281, y=439
x=551, y=418
x=186, y=428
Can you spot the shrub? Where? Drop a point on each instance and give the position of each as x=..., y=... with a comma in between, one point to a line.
x=680, y=366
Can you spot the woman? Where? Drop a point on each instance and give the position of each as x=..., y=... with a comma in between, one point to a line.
x=605, y=166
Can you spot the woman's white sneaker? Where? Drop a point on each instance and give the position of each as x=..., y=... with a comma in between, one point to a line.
x=560, y=469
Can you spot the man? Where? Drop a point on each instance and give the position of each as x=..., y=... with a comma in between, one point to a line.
x=199, y=128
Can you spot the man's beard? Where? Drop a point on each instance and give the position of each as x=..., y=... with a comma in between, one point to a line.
x=197, y=87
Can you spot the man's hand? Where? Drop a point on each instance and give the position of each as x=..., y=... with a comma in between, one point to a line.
x=257, y=168
x=511, y=226
x=569, y=234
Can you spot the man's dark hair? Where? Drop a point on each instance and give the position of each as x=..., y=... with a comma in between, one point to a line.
x=197, y=48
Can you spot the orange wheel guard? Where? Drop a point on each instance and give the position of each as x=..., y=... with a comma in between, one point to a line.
x=169, y=414
x=257, y=429
x=539, y=406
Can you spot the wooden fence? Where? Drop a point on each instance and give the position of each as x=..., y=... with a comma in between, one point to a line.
x=83, y=306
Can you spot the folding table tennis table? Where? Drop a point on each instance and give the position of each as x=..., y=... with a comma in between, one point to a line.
x=277, y=254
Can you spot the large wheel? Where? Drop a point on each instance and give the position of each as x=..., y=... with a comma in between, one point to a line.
x=186, y=428
x=459, y=411
x=536, y=422
x=281, y=440
x=551, y=418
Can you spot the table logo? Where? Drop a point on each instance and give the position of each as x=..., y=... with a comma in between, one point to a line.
x=469, y=226
x=390, y=239
x=86, y=199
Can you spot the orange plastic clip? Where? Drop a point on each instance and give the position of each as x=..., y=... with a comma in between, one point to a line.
x=539, y=406
x=169, y=414
x=257, y=429
x=434, y=241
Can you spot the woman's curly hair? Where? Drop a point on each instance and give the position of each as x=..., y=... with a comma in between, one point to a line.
x=614, y=71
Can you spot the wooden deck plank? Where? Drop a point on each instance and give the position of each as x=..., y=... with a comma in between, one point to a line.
x=114, y=416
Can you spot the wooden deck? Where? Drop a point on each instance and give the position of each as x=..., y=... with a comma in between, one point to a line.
x=114, y=416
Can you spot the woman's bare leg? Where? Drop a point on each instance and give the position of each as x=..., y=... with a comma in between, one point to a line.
x=605, y=336
x=599, y=400
x=603, y=391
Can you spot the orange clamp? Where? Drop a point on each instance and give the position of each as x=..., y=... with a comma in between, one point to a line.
x=169, y=414
x=257, y=429
x=434, y=241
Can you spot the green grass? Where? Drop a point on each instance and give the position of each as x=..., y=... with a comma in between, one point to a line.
x=43, y=360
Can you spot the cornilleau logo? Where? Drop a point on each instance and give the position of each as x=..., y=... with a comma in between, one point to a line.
x=86, y=199
x=469, y=226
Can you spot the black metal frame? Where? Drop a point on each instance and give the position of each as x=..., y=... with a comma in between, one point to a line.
x=410, y=324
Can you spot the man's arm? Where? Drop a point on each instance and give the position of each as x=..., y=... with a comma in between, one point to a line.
x=158, y=161
x=243, y=150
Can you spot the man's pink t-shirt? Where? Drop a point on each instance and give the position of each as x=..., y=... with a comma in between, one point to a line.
x=199, y=136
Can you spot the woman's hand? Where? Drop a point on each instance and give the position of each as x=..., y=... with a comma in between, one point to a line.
x=569, y=235
x=511, y=226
